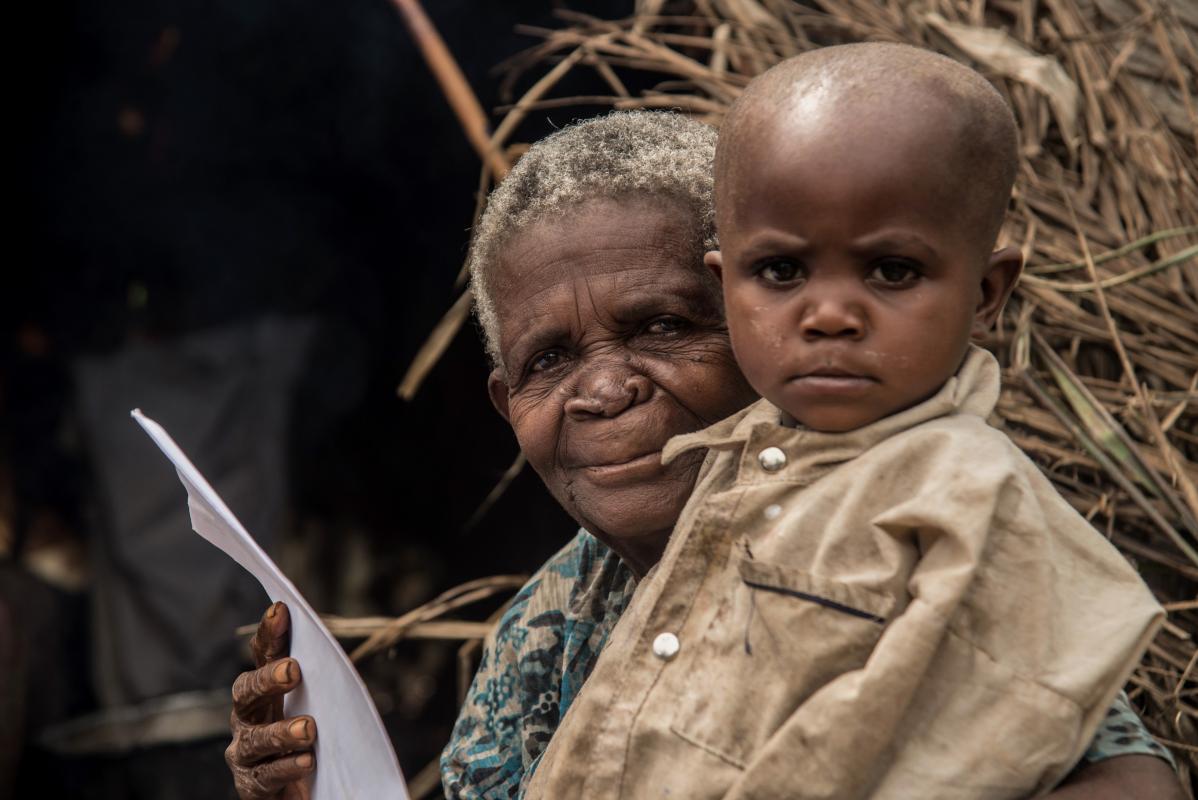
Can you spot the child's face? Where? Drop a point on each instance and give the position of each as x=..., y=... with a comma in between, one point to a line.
x=853, y=278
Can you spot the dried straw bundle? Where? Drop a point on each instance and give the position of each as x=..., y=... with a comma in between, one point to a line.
x=1100, y=344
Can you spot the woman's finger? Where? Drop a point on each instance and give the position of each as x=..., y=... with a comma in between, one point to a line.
x=254, y=743
x=259, y=743
x=268, y=779
x=297, y=791
x=272, y=640
x=255, y=692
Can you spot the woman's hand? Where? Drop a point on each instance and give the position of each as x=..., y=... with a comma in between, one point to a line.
x=270, y=756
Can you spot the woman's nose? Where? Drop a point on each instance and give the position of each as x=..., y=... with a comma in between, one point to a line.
x=608, y=392
x=832, y=316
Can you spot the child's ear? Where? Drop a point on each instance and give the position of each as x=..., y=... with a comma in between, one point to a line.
x=714, y=260
x=497, y=389
x=997, y=284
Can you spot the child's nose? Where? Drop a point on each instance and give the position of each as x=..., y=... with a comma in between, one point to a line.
x=832, y=317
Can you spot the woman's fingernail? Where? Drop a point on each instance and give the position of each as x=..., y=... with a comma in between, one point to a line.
x=299, y=729
x=303, y=760
x=282, y=672
x=272, y=611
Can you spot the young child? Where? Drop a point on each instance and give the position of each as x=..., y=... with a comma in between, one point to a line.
x=872, y=592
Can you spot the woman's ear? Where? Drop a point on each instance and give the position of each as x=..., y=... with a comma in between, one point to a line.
x=714, y=260
x=998, y=282
x=497, y=389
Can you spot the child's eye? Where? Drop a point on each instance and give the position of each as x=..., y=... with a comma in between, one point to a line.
x=780, y=271
x=895, y=272
x=666, y=325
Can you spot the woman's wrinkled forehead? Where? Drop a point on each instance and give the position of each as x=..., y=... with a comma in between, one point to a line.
x=614, y=233
x=607, y=261
x=623, y=154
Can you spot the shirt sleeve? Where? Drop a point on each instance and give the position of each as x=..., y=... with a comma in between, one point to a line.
x=1122, y=733
x=994, y=675
x=484, y=756
x=511, y=708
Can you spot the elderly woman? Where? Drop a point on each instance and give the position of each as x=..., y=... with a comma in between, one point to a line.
x=607, y=339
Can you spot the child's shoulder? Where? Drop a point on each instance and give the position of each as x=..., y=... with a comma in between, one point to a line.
x=964, y=441
x=960, y=467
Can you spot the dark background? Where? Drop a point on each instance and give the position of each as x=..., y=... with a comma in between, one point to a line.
x=194, y=164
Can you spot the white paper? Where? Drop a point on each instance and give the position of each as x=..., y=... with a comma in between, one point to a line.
x=354, y=757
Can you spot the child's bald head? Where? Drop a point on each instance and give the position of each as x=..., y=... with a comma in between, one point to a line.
x=859, y=192
x=862, y=96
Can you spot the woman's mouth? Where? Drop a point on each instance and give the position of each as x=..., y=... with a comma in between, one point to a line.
x=634, y=468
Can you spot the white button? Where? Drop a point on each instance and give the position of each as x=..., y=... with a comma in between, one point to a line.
x=772, y=459
x=665, y=646
x=773, y=511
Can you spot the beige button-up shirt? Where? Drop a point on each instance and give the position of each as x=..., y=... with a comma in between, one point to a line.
x=907, y=610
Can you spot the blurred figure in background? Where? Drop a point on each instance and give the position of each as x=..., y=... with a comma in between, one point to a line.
x=165, y=601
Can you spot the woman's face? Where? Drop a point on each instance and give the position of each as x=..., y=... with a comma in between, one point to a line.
x=613, y=341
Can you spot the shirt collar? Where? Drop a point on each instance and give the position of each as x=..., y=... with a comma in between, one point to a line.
x=973, y=390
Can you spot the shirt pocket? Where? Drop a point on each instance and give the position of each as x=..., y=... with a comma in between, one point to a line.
x=779, y=636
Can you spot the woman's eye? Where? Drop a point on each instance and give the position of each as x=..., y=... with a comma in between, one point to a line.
x=780, y=271
x=666, y=325
x=546, y=361
x=894, y=272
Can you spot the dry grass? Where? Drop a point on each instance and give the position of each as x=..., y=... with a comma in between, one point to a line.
x=1100, y=343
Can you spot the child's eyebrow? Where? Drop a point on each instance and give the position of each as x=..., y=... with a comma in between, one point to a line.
x=895, y=240
x=771, y=242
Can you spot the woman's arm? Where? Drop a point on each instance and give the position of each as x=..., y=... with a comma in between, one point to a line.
x=1123, y=761
x=269, y=754
x=1130, y=777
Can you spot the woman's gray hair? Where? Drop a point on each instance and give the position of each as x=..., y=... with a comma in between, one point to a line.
x=617, y=156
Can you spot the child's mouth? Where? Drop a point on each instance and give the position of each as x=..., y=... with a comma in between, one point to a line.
x=832, y=381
